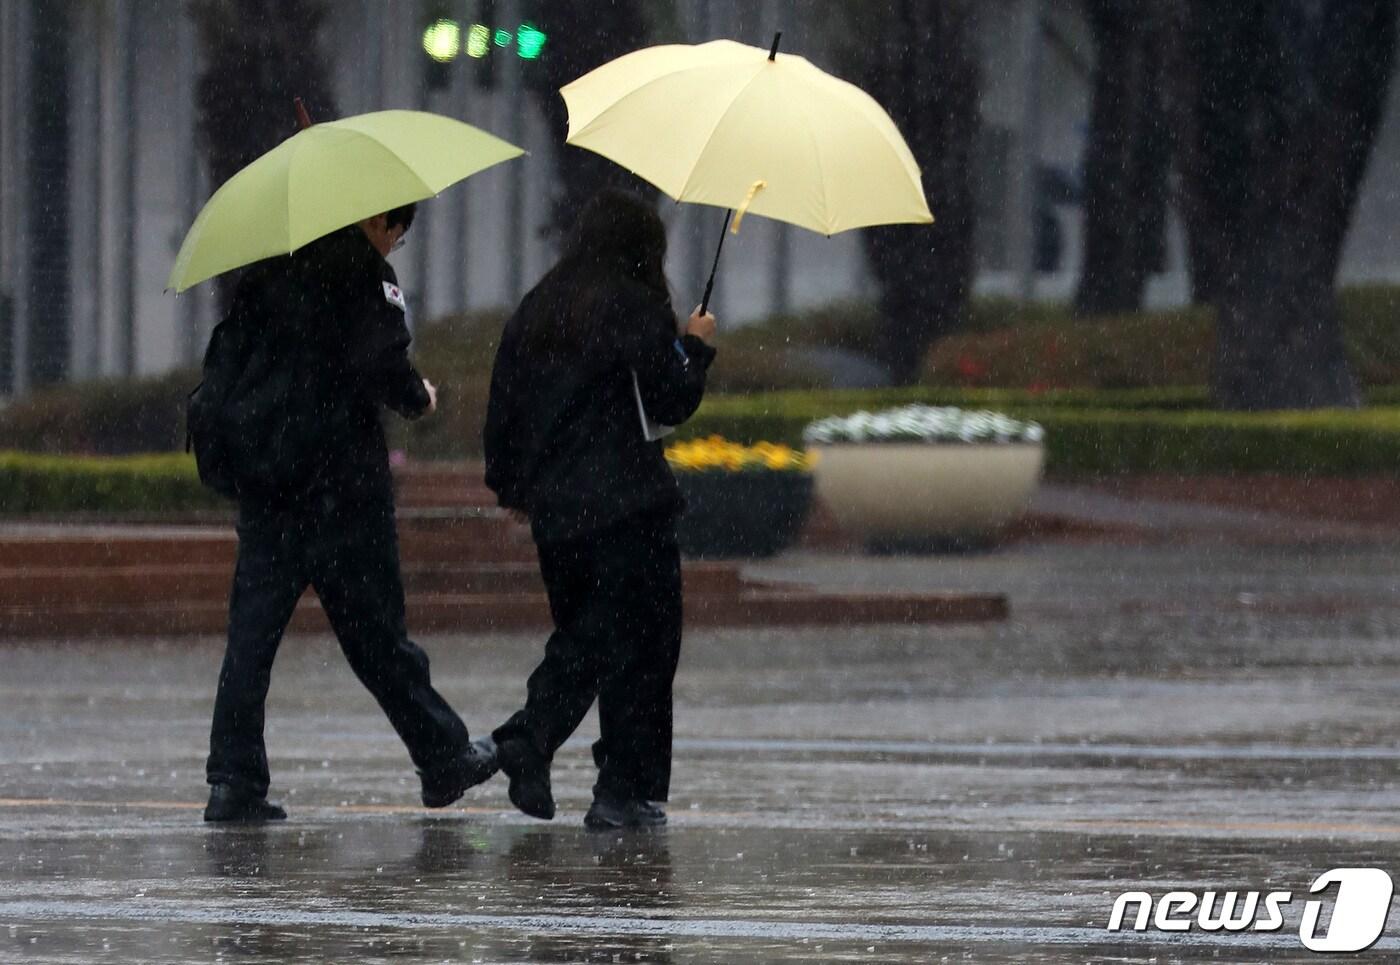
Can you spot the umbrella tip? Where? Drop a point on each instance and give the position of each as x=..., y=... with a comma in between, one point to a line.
x=303, y=118
x=773, y=53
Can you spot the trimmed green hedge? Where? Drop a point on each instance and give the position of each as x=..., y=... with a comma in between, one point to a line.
x=1331, y=443
x=1082, y=441
x=58, y=484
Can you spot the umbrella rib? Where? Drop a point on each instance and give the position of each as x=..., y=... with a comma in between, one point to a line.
x=667, y=75
x=383, y=148
x=821, y=170
x=866, y=121
x=718, y=121
x=586, y=126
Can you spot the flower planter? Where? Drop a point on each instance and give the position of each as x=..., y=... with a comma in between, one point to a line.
x=742, y=514
x=916, y=494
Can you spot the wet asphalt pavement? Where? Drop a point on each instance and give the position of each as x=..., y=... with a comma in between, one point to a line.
x=1202, y=717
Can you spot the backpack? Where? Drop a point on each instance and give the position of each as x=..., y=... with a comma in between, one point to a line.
x=253, y=423
x=204, y=432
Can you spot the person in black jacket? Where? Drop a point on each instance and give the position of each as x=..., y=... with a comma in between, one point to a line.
x=565, y=447
x=336, y=303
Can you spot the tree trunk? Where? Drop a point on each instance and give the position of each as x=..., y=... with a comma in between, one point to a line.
x=1126, y=158
x=582, y=37
x=920, y=62
x=259, y=56
x=1277, y=108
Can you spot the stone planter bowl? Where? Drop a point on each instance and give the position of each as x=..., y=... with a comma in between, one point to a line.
x=907, y=495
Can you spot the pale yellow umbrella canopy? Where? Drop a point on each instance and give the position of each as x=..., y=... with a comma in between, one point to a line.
x=328, y=176
x=727, y=124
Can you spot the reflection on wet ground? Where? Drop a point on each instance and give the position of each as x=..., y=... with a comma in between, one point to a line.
x=887, y=794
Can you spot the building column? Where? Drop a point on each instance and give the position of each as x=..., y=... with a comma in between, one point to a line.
x=128, y=32
x=1026, y=153
x=13, y=227
x=514, y=82
x=44, y=338
x=459, y=199
x=188, y=312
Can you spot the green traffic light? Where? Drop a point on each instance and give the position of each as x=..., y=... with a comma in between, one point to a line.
x=529, y=41
x=503, y=38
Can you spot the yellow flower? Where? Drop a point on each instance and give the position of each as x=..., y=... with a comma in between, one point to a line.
x=718, y=453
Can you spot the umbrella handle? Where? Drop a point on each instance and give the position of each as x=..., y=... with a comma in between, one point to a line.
x=710, y=286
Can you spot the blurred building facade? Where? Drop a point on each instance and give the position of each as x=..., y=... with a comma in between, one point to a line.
x=100, y=174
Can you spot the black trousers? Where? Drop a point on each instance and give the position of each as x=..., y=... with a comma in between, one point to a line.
x=350, y=556
x=615, y=597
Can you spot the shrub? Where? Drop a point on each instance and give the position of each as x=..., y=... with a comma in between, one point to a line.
x=32, y=483
x=1138, y=351
x=1045, y=347
x=108, y=417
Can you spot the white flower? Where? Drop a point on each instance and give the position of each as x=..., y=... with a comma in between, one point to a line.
x=923, y=423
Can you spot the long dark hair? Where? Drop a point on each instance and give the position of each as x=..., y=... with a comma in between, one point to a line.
x=618, y=238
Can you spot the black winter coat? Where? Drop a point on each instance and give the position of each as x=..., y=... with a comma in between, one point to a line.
x=563, y=437
x=339, y=295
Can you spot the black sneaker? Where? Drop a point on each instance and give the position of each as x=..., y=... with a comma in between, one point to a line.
x=227, y=803
x=446, y=784
x=529, y=778
x=608, y=813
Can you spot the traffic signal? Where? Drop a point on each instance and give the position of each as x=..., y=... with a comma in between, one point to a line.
x=442, y=40
x=445, y=39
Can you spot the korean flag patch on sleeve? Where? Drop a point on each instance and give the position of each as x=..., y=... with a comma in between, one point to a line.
x=393, y=294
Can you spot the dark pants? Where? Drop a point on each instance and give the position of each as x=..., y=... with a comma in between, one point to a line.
x=350, y=556
x=616, y=601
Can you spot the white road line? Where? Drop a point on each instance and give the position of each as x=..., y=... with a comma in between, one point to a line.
x=1204, y=752
x=91, y=912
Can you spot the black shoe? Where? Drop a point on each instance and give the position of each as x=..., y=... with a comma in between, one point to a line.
x=446, y=784
x=609, y=813
x=649, y=814
x=227, y=803
x=529, y=778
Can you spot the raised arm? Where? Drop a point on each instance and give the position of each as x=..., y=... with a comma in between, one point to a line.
x=671, y=368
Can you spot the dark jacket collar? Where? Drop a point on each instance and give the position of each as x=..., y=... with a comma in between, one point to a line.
x=346, y=250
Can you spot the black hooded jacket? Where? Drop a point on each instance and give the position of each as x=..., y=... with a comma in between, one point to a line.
x=564, y=440
x=337, y=298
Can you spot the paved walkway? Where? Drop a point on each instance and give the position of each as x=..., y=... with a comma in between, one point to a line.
x=1154, y=718
x=1195, y=521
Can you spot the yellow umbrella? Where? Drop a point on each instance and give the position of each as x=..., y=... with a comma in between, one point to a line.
x=739, y=127
x=325, y=177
